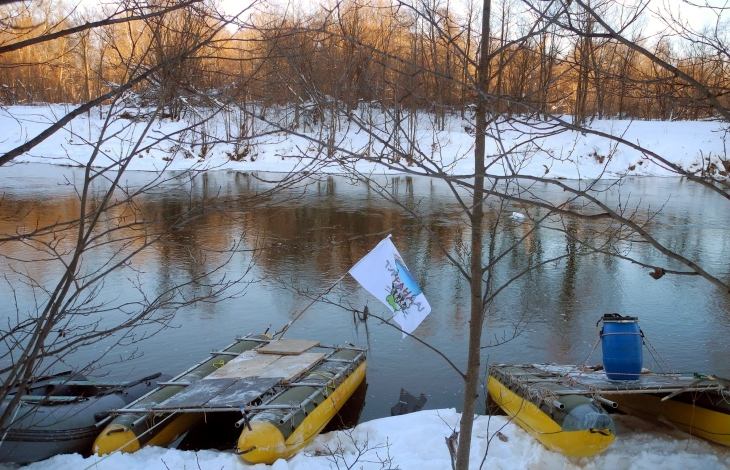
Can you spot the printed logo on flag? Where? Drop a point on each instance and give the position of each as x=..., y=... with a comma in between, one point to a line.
x=404, y=290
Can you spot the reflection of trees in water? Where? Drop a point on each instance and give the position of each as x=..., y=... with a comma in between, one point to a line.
x=329, y=239
x=24, y=215
x=567, y=290
x=182, y=253
x=318, y=235
x=319, y=232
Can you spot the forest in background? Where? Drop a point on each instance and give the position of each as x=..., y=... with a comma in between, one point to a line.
x=375, y=52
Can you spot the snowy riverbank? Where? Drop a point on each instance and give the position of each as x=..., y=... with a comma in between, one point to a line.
x=692, y=145
x=416, y=442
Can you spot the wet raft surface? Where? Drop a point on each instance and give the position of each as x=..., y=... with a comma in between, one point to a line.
x=246, y=377
x=588, y=381
x=219, y=393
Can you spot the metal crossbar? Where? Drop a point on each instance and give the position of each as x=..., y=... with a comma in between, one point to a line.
x=225, y=409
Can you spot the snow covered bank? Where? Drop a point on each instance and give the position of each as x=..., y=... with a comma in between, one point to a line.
x=535, y=150
x=417, y=442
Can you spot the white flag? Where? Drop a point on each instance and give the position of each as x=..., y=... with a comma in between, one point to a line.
x=383, y=273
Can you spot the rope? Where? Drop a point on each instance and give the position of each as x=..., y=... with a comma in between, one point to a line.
x=543, y=394
x=585, y=362
x=321, y=374
x=281, y=333
x=652, y=350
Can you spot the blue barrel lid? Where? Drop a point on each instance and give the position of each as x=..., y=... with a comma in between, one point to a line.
x=617, y=318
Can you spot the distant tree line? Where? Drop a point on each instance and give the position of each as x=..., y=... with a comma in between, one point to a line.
x=374, y=53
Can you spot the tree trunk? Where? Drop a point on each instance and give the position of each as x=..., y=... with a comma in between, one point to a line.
x=477, y=215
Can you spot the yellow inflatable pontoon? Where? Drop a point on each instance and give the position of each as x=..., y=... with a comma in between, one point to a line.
x=280, y=433
x=571, y=424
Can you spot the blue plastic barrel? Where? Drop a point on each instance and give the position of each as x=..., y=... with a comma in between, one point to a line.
x=621, y=341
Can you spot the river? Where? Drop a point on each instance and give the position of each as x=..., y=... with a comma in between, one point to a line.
x=309, y=238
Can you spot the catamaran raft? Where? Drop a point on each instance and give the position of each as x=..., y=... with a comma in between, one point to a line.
x=286, y=392
x=564, y=407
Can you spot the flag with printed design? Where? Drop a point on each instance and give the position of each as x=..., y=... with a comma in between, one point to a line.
x=383, y=273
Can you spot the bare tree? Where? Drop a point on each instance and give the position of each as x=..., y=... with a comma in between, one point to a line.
x=500, y=179
x=95, y=247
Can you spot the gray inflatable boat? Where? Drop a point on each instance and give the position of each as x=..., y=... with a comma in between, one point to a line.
x=63, y=414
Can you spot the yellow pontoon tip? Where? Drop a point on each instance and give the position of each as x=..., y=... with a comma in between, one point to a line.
x=116, y=437
x=264, y=443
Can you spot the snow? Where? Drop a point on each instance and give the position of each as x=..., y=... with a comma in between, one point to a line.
x=417, y=440
x=535, y=150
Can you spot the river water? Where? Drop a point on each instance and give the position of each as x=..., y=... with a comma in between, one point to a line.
x=309, y=237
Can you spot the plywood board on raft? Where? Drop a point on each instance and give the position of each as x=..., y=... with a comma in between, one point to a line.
x=250, y=364
x=246, y=364
x=286, y=347
x=225, y=392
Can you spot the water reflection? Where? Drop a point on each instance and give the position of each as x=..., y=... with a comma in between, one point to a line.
x=309, y=238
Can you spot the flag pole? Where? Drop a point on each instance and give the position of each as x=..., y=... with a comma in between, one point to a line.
x=390, y=235
x=286, y=327
x=281, y=333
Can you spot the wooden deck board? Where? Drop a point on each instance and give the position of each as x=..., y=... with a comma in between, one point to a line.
x=243, y=392
x=251, y=364
x=246, y=364
x=291, y=367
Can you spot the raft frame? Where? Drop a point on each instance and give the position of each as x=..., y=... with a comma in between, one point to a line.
x=573, y=425
x=337, y=366
x=698, y=404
